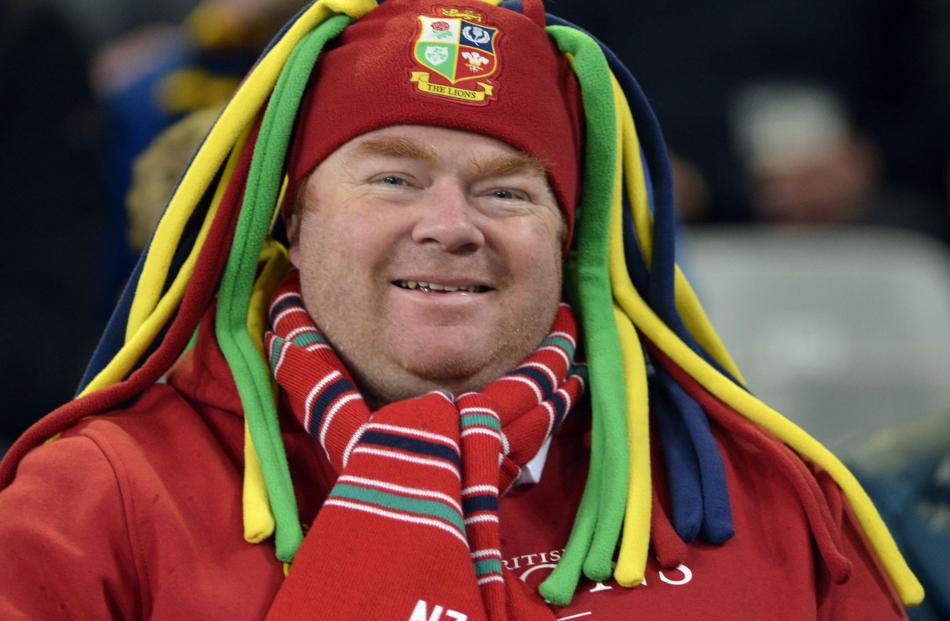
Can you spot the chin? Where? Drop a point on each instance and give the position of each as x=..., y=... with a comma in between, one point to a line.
x=453, y=369
x=445, y=369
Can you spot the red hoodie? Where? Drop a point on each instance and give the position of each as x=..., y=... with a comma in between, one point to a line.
x=137, y=515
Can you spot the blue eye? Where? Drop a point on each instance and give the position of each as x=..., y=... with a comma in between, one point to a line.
x=393, y=180
x=504, y=194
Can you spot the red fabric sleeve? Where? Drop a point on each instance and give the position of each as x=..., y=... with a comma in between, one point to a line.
x=64, y=537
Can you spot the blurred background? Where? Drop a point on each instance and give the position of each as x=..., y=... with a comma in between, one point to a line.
x=811, y=151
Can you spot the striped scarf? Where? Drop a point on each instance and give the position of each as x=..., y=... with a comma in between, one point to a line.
x=411, y=526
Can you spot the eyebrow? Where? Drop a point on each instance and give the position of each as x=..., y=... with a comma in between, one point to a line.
x=396, y=147
x=500, y=166
x=511, y=164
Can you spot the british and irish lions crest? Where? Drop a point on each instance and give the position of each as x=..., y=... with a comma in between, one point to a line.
x=457, y=50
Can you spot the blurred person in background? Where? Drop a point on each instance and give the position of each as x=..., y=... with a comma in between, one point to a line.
x=907, y=473
x=157, y=75
x=803, y=163
x=156, y=171
x=88, y=124
x=884, y=60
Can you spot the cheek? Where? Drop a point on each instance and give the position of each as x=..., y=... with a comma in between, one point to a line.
x=338, y=259
x=314, y=255
x=536, y=268
x=540, y=256
x=322, y=238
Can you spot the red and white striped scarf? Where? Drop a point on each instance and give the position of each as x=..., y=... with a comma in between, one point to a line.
x=410, y=530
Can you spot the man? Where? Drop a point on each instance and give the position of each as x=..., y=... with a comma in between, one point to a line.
x=426, y=454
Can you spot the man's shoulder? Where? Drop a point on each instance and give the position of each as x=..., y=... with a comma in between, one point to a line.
x=161, y=423
x=160, y=441
x=111, y=493
x=163, y=440
x=193, y=408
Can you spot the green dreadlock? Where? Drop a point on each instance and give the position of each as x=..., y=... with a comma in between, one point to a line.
x=250, y=373
x=594, y=535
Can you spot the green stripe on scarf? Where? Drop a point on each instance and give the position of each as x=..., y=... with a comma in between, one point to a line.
x=430, y=508
x=275, y=351
x=308, y=338
x=599, y=517
x=487, y=566
x=562, y=343
x=250, y=374
x=470, y=420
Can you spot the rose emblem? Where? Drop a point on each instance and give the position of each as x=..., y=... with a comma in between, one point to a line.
x=441, y=30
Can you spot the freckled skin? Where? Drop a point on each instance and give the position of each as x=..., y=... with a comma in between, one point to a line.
x=435, y=207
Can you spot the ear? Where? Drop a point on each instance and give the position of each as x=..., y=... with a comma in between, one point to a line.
x=293, y=235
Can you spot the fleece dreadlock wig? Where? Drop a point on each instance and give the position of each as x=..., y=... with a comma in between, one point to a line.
x=637, y=311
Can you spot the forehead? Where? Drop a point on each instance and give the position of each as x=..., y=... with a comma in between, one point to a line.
x=437, y=144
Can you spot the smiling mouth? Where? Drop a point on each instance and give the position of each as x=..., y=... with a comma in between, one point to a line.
x=434, y=287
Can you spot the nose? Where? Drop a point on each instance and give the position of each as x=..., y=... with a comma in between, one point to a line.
x=448, y=220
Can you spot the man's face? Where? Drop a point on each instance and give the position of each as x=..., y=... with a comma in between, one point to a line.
x=430, y=257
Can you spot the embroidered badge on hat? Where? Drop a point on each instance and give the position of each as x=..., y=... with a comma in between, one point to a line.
x=459, y=51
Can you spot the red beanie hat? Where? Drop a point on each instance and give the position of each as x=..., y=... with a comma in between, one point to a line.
x=470, y=66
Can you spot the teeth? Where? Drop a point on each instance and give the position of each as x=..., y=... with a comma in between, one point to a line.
x=434, y=286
